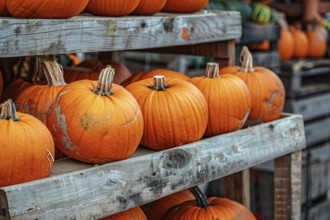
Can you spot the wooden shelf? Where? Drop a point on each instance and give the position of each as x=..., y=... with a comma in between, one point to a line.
x=92, y=193
x=295, y=10
x=86, y=33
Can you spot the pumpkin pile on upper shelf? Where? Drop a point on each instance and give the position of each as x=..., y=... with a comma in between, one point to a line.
x=67, y=9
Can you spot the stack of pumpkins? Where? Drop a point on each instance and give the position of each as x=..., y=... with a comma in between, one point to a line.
x=100, y=122
x=297, y=44
x=66, y=9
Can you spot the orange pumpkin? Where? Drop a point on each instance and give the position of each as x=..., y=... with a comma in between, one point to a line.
x=112, y=7
x=286, y=45
x=185, y=6
x=152, y=73
x=131, y=214
x=45, y=8
x=208, y=209
x=36, y=99
x=26, y=146
x=228, y=98
x=149, y=7
x=300, y=43
x=3, y=8
x=157, y=209
x=174, y=111
x=317, y=44
x=96, y=122
x=266, y=88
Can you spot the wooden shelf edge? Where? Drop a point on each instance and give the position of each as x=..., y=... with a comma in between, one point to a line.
x=104, y=190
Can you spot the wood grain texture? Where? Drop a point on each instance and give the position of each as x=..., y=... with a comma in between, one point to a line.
x=87, y=33
x=287, y=187
x=104, y=190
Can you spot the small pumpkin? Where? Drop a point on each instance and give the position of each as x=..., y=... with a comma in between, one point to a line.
x=26, y=145
x=131, y=214
x=149, y=7
x=151, y=73
x=45, y=8
x=36, y=99
x=286, y=45
x=228, y=99
x=300, y=43
x=3, y=8
x=266, y=88
x=174, y=111
x=96, y=121
x=208, y=209
x=112, y=7
x=157, y=209
x=184, y=6
x=90, y=69
x=317, y=43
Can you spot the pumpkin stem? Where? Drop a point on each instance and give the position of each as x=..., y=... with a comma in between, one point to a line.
x=159, y=83
x=212, y=70
x=246, y=60
x=34, y=72
x=105, y=81
x=53, y=73
x=8, y=111
x=200, y=197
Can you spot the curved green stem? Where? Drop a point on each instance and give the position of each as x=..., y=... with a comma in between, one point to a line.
x=200, y=197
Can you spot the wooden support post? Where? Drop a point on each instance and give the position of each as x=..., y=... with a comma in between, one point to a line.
x=287, y=187
x=237, y=187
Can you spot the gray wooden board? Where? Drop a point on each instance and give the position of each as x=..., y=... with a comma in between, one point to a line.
x=319, y=211
x=317, y=131
x=311, y=107
x=86, y=33
x=104, y=190
x=255, y=33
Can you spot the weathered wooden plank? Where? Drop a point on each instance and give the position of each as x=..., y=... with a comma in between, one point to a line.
x=317, y=131
x=97, y=192
x=287, y=187
x=310, y=107
x=86, y=33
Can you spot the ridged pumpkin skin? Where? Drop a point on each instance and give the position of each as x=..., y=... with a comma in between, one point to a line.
x=15, y=88
x=92, y=125
x=149, y=7
x=286, y=45
x=228, y=98
x=112, y=7
x=157, y=209
x=317, y=44
x=300, y=43
x=151, y=73
x=3, y=8
x=174, y=112
x=45, y=8
x=266, y=88
x=131, y=214
x=184, y=6
x=36, y=99
x=27, y=150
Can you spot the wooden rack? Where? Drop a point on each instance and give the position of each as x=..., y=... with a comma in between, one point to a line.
x=81, y=191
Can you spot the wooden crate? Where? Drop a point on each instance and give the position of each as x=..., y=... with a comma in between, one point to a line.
x=320, y=211
x=317, y=131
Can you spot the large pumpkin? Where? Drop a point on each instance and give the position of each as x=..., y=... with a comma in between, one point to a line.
x=151, y=73
x=45, y=8
x=286, y=45
x=317, y=43
x=112, y=7
x=131, y=214
x=184, y=6
x=26, y=147
x=300, y=43
x=266, y=88
x=3, y=8
x=208, y=209
x=174, y=111
x=157, y=209
x=228, y=99
x=149, y=7
x=96, y=122
x=36, y=99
